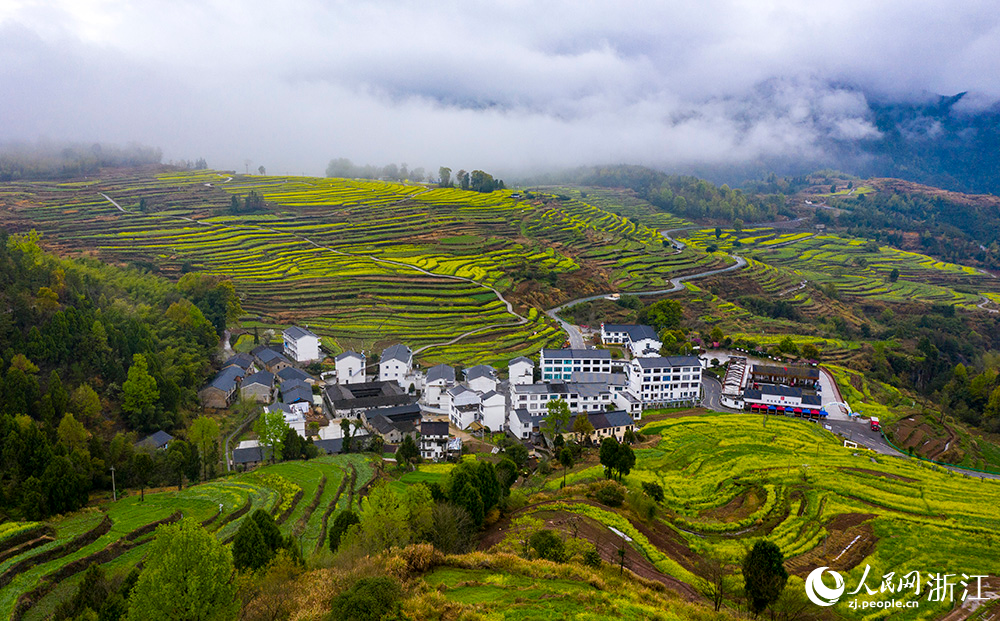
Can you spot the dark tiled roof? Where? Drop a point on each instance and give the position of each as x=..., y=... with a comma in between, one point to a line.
x=781, y=391
x=562, y=354
x=291, y=373
x=480, y=370
x=156, y=440
x=269, y=356
x=410, y=411
x=789, y=371
x=668, y=361
x=330, y=447
x=367, y=395
x=636, y=332
x=441, y=372
x=226, y=379
x=247, y=455
x=432, y=428
x=812, y=400
x=265, y=378
x=348, y=354
x=295, y=332
x=296, y=394
x=382, y=425
x=397, y=352
x=241, y=360
x=607, y=420
x=521, y=359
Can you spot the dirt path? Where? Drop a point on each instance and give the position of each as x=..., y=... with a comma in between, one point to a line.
x=607, y=543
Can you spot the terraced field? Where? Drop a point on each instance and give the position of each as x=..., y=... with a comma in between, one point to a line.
x=854, y=267
x=37, y=574
x=729, y=482
x=363, y=263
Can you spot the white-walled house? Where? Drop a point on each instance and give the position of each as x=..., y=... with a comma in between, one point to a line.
x=641, y=340
x=481, y=378
x=560, y=364
x=439, y=379
x=663, y=381
x=463, y=405
x=395, y=364
x=433, y=440
x=493, y=410
x=301, y=345
x=521, y=371
x=350, y=367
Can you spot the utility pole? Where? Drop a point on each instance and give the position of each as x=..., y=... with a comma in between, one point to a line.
x=114, y=490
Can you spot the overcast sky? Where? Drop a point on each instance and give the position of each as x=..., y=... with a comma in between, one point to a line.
x=501, y=86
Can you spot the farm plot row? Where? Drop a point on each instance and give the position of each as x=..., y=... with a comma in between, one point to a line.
x=115, y=535
x=728, y=482
x=855, y=267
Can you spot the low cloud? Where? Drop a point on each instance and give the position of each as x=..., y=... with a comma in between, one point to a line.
x=509, y=87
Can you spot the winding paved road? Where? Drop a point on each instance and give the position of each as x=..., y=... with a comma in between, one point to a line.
x=573, y=331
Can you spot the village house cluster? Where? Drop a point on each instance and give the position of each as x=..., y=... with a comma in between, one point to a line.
x=441, y=405
x=791, y=390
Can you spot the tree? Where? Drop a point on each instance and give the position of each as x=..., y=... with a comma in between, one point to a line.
x=624, y=460
x=261, y=169
x=894, y=275
x=453, y=528
x=444, y=177
x=383, y=522
x=487, y=484
x=662, y=315
x=764, y=575
x=506, y=472
x=653, y=490
x=718, y=232
x=566, y=461
x=717, y=335
x=249, y=550
x=268, y=529
x=345, y=434
x=72, y=433
x=369, y=599
x=183, y=461
x=547, y=544
x=270, y=428
x=85, y=403
x=344, y=520
x=609, y=456
x=140, y=394
x=463, y=179
x=557, y=419
x=716, y=584
x=517, y=454
x=407, y=451
x=203, y=432
x=582, y=427
x=462, y=491
x=141, y=467
x=420, y=512
x=188, y=575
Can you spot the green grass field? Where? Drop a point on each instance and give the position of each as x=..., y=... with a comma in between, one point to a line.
x=263, y=488
x=729, y=482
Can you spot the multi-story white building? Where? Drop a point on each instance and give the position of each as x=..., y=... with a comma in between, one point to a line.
x=559, y=364
x=439, y=379
x=641, y=340
x=433, y=440
x=591, y=397
x=481, y=378
x=301, y=345
x=464, y=405
x=493, y=410
x=662, y=381
x=395, y=364
x=350, y=368
x=521, y=371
